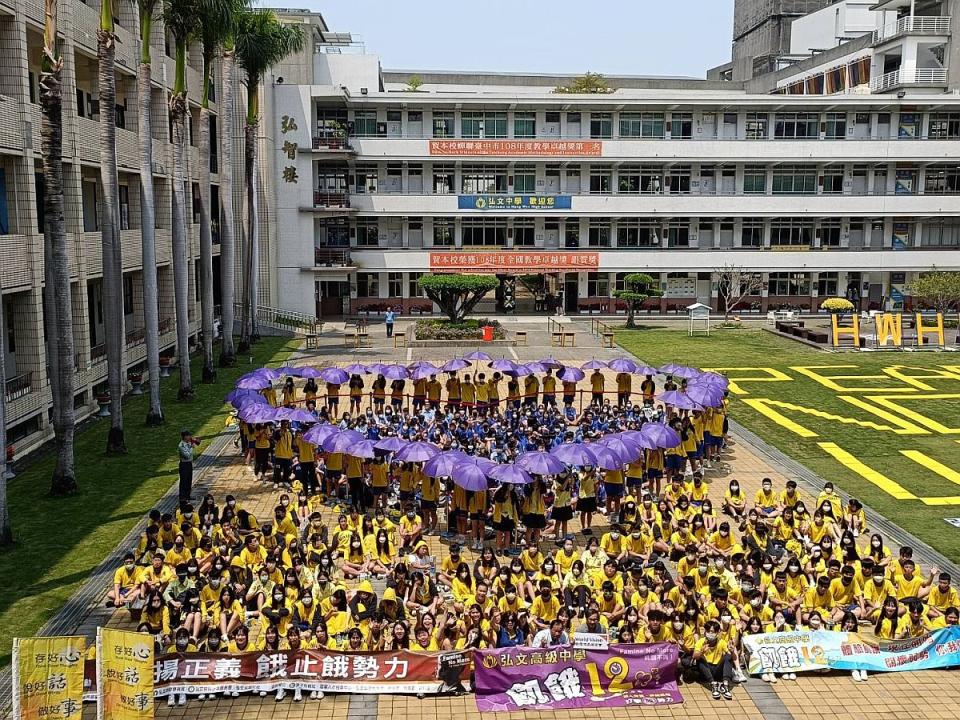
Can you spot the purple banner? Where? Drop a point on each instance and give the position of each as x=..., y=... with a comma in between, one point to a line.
x=561, y=677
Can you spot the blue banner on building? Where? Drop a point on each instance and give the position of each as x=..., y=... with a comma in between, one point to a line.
x=514, y=202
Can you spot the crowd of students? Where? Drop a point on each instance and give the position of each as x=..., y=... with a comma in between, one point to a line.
x=675, y=560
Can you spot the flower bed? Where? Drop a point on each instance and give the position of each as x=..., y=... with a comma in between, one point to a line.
x=436, y=329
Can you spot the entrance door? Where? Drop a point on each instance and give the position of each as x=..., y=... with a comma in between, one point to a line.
x=708, y=126
x=573, y=125
x=552, y=186
x=415, y=124
x=552, y=235
x=703, y=291
x=415, y=180
x=573, y=181
x=570, y=293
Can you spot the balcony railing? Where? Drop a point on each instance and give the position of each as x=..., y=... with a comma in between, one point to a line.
x=897, y=78
x=925, y=24
x=331, y=142
x=331, y=257
x=331, y=199
x=136, y=337
x=166, y=326
x=19, y=386
x=98, y=353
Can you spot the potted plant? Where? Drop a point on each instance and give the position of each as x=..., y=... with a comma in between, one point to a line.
x=164, y=366
x=103, y=400
x=837, y=306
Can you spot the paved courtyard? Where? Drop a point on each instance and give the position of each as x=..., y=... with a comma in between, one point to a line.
x=929, y=694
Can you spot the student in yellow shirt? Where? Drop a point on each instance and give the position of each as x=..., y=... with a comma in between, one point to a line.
x=711, y=655
x=942, y=596
x=483, y=393
x=433, y=392
x=765, y=501
x=126, y=583
x=468, y=393
x=596, y=387
x=531, y=390
x=379, y=480
x=549, y=389
x=453, y=392
x=356, y=393
x=624, y=388
x=493, y=390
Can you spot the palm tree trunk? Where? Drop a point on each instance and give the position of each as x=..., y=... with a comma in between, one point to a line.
x=228, y=355
x=57, y=263
x=151, y=310
x=6, y=533
x=110, y=230
x=206, y=250
x=178, y=111
x=253, y=225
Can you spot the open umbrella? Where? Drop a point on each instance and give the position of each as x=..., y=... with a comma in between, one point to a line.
x=342, y=441
x=670, y=368
x=469, y=477
x=441, y=464
x=711, y=378
x=271, y=374
x=375, y=368
x=623, y=365
x=254, y=382
x=334, y=375
x=239, y=397
x=309, y=372
x=646, y=370
x=483, y=463
x=663, y=436
x=390, y=444
x=291, y=370
x=639, y=438
x=416, y=452
x=320, y=432
x=551, y=363
x=705, y=395
x=356, y=369
x=298, y=415
x=395, y=372
x=256, y=413
x=540, y=463
x=502, y=364
x=607, y=458
x=574, y=454
x=686, y=403
x=519, y=371
x=477, y=356
x=362, y=449
x=511, y=475
x=571, y=374
x=455, y=364
x=536, y=367
x=421, y=372
x=627, y=449
x=593, y=365
x=672, y=397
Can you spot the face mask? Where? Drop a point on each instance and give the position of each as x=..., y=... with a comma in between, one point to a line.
x=635, y=536
x=325, y=561
x=278, y=597
x=355, y=546
x=878, y=579
x=767, y=567
x=545, y=594
x=181, y=643
x=702, y=569
x=129, y=566
x=411, y=516
x=711, y=637
x=614, y=536
x=875, y=543
x=755, y=602
x=548, y=567
x=214, y=582
x=308, y=600
x=794, y=568
x=180, y=577
x=232, y=503
x=734, y=488
x=678, y=626
x=264, y=578
x=726, y=618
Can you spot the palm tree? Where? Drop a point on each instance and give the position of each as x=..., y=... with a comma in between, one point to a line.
x=262, y=41
x=59, y=310
x=151, y=309
x=180, y=18
x=228, y=354
x=110, y=227
x=6, y=533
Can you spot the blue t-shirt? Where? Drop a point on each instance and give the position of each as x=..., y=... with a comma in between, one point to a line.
x=390, y=316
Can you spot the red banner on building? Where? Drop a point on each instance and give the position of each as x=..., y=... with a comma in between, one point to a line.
x=507, y=262
x=401, y=672
x=532, y=148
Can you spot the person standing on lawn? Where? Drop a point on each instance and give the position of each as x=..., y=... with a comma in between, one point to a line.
x=185, y=452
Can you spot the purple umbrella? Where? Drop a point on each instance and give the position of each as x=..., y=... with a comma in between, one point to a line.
x=687, y=373
x=519, y=371
x=362, y=449
x=342, y=441
x=256, y=413
x=257, y=382
x=646, y=370
x=711, y=378
x=390, y=444
x=670, y=368
x=663, y=436
x=628, y=450
x=685, y=403
x=416, y=452
x=574, y=454
x=356, y=369
x=483, y=463
x=298, y=415
x=593, y=365
x=240, y=397
x=477, y=356
x=271, y=374
x=706, y=395
x=639, y=438
x=469, y=477
x=310, y=372
x=536, y=367
x=623, y=365
x=672, y=397
x=291, y=370
x=375, y=368
x=551, y=363
x=571, y=374
x=511, y=475
x=422, y=372
x=454, y=365
x=503, y=365
x=607, y=458
x=334, y=375
x=395, y=372
x=540, y=463
x=318, y=433
x=441, y=464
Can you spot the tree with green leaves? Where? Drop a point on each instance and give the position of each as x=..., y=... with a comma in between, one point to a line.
x=589, y=84
x=937, y=289
x=457, y=294
x=637, y=288
x=262, y=41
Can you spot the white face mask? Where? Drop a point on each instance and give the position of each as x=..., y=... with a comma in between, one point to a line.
x=711, y=637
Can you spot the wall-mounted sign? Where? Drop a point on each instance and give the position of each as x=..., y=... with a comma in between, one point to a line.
x=514, y=202
x=534, y=148
x=502, y=261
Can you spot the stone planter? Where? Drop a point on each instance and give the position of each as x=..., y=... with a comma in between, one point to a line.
x=104, y=402
x=164, y=367
x=136, y=384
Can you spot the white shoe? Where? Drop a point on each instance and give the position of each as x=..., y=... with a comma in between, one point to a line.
x=773, y=678
x=201, y=697
x=171, y=700
x=313, y=695
x=765, y=677
x=281, y=694
x=182, y=700
x=855, y=675
x=738, y=676
x=863, y=676
x=297, y=695
x=790, y=676
x=319, y=694
x=233, y=694
x=263, y=693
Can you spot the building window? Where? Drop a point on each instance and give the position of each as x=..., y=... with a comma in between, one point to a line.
x=629, y=180
x=490, y=232
x=395, y=285
x=632, y=232
x=484, y=179
x=941, y=234
x=599, y=234
x=832, y=181
x=571, y=233
x=944, y=126
x=601, y=181
x=794, y=180
x=795, y=125
x=443, y=232
x=754, y=180
x=601, y=125
x=757, y=126
x=790, y=231
x=523, y=233
x=830, y=233
x=524, y=179
x=598, y=284
x=443, y=125
x=836, y=124
x=368, y=285
x=678, y=235
x=645, y=125
x=368, y=233
x=443, y=179
x=751, y=234
x=365, y=179
x=827, y=284
x=365, y=123
x=785, y=283
x=128, y=294
x=524, y=124
x=942, y=180
x=681, y=126
x=413, y=285
x=483, y=124
x=678, y=181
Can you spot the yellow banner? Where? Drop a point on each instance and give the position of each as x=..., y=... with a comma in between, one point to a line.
x=124, y=675
x=48, y=677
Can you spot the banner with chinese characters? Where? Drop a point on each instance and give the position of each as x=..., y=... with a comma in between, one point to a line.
x=793, y=652
x=562, y=677
x=526, y=148
x=514, y=202
x=402, y=672
x=124, y=675
x=48, y=677
x=512, y=262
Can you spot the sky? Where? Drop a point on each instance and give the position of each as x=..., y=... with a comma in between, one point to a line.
x=616, y=37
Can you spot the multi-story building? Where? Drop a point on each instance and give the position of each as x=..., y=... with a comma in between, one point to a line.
x=835, y=175
x=21, y=219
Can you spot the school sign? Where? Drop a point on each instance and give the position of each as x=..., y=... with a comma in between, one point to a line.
x=514, y=202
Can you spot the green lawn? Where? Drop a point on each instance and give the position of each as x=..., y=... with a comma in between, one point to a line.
x=880, y=450
x=59, y=541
